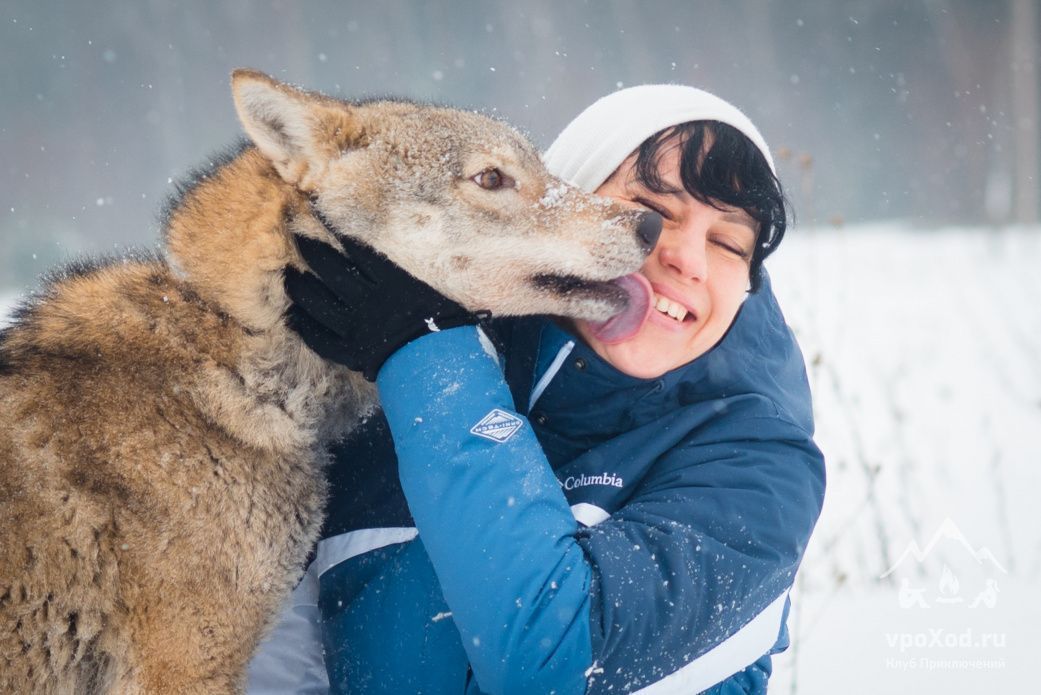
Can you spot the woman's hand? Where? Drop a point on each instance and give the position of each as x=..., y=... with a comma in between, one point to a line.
x=357, y=308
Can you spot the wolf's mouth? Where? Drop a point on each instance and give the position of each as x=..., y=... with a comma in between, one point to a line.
x=630, y=298
x=573, y=286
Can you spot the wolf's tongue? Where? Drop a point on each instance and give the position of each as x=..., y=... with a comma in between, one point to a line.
x=623, y=326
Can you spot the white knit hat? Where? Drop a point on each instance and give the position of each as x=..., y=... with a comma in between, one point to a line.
x=600, y=138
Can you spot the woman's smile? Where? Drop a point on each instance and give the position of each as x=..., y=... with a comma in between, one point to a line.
x=675, y=311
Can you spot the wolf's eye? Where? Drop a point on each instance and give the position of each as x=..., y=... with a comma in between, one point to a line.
x=493, y=180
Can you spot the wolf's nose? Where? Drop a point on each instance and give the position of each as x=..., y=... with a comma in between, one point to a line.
x=649, y=230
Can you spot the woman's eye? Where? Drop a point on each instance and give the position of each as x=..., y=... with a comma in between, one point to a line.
x=493, y=180
x=653, y=207
x=736, y=250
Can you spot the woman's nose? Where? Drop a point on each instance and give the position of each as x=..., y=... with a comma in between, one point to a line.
x=684, y=254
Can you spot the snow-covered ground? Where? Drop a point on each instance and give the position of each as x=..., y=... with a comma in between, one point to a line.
x=923, y=352
x=922, y=348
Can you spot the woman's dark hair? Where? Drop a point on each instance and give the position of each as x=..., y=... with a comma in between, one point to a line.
x=731, y=173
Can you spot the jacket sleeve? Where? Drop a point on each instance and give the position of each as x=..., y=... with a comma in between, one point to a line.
x=685, y=585
x=496, y=526
x=696, y=568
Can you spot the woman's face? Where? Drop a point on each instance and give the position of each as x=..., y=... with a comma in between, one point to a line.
x=698, y=271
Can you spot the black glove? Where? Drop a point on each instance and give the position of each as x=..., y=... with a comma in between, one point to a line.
x=357, y=308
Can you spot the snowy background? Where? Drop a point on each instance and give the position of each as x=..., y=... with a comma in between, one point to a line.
x=907, y=137
x=922, y=350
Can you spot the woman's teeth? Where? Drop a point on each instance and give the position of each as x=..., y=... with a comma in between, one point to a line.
x=669, y=307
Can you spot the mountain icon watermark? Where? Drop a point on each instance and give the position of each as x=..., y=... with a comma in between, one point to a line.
x=949, y=588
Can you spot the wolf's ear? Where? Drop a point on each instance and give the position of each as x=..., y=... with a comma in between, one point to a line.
x=298, y=131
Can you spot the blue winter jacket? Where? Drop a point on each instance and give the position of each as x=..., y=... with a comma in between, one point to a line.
x=579, y=530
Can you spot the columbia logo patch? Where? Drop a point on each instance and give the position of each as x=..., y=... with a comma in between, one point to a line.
x=498, y=425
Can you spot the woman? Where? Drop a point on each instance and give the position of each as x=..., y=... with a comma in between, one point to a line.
x=637, y=518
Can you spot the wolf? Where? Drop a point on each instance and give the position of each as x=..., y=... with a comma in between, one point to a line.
x=163, y=432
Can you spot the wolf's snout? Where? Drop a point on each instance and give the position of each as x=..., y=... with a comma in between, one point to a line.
x=649, y=230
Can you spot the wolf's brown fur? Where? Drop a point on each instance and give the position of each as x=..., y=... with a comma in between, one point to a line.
x=162, y=431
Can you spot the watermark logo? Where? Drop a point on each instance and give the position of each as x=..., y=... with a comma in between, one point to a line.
x=948, y=589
